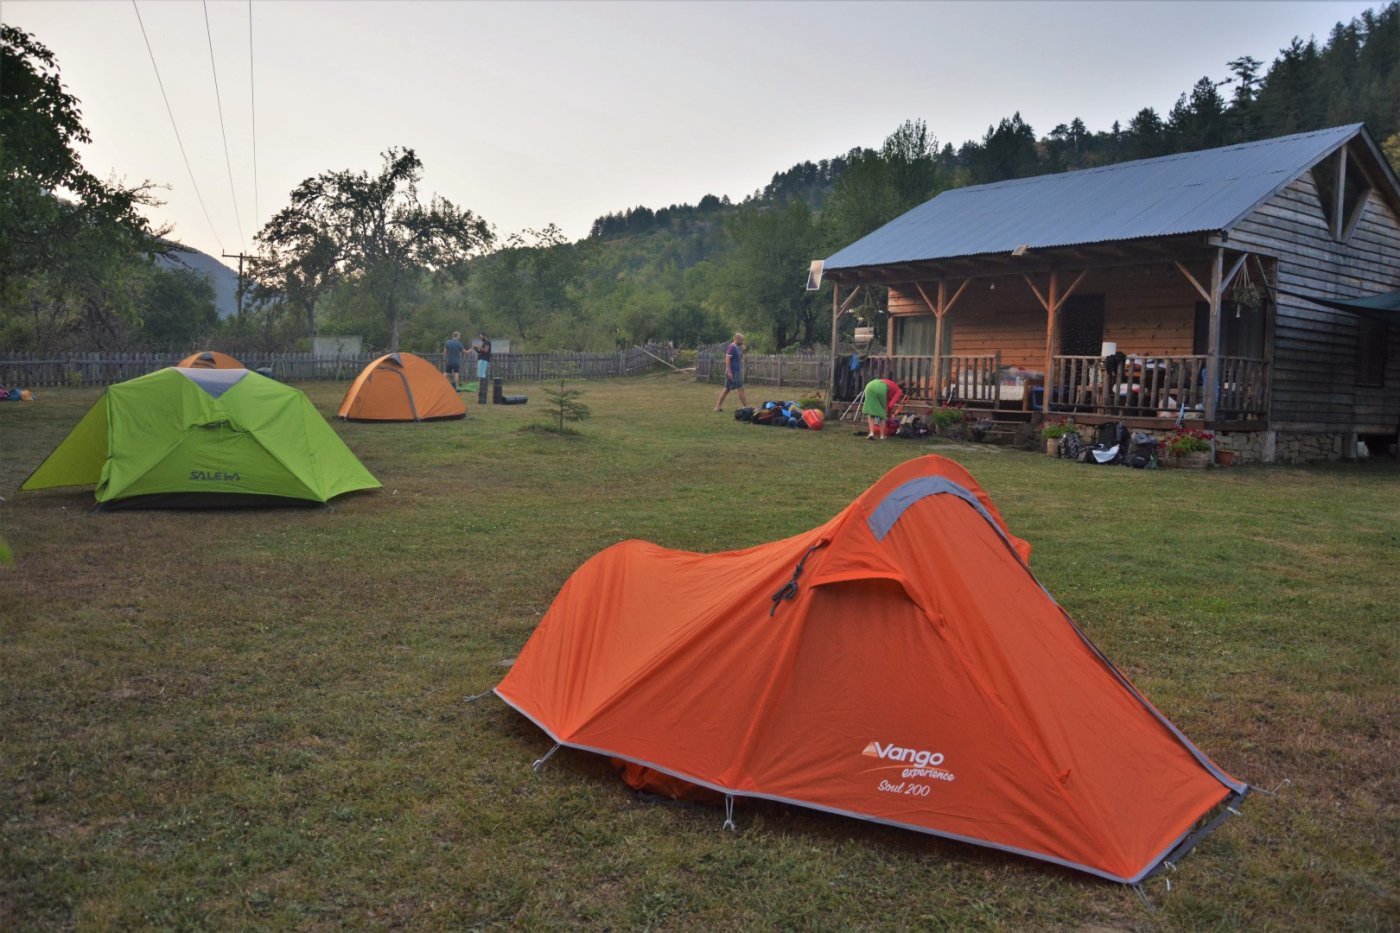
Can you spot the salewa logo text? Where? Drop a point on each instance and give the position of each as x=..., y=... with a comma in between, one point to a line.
x=214, y=476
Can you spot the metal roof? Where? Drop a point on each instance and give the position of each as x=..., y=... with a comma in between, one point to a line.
x=1190, y=192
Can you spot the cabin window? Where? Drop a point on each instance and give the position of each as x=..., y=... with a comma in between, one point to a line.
x=913, y=335
x=1355, y=191
x=1081, y=326
x=1371, y=339
x=1241, y=330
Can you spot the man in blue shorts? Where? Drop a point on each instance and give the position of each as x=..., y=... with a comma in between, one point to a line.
x=452, y=357
x=733, y=371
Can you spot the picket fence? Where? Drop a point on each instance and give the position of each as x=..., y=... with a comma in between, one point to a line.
x=38, y=370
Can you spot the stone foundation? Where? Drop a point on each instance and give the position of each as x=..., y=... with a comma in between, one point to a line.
x=1269, y=446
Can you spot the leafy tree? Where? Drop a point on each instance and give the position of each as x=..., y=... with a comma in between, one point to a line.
x=1008, y=150
x=178, y=309
x=1391, y=148
x=300, y=253
x=372, y=230
x=527, y=282
x=761, y=282
x=1198, y=121
x=66, y=238
x=1146, y=136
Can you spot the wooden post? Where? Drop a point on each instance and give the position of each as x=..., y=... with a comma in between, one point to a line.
x=938, y=368
x=1052, y=308
x=1212, y=388
x=835, y=331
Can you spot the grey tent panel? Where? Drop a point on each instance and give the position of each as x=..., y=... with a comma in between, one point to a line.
x=214, y=381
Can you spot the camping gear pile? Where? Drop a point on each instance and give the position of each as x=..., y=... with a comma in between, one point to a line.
x=899, y=664
x=1112, y=445
x=15, y=394
x=783, y=415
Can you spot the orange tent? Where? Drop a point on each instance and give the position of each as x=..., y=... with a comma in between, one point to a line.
x=210, y=359
x=899, y=664
x=401, y=387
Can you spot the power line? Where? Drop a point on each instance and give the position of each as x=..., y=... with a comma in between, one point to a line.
x=218, y=99
x=179, y=141
x=253, y=109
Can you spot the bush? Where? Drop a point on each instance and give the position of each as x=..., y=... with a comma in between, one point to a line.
x=1057, y=429
x=1188, y=440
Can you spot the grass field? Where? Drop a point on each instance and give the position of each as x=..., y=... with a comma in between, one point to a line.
x=256, y=719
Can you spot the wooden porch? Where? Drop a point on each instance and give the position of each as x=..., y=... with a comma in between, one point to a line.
x=1153, y=390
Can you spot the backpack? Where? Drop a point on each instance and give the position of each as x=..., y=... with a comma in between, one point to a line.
x=1142, y=452
x=1110, y=445
x=762, y=416
x=1072, y=446
x=815, y=418
x=744, y=414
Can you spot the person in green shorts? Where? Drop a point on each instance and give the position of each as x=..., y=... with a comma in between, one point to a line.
x=881, y=397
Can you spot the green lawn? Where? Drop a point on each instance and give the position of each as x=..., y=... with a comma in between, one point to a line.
x=257, y=720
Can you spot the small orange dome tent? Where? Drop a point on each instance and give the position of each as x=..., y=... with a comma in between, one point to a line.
x=899, y=664
x=401, y=387
x=210, y=359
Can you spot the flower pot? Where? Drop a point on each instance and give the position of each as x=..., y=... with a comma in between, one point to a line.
x=1052, y=447
x=1225, y=457
x=1192, y=460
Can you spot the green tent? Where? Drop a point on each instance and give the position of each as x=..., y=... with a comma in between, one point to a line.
x=203, y=438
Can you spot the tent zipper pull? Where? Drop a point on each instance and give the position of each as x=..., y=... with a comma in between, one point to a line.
x=789, y=590
x=548, y=755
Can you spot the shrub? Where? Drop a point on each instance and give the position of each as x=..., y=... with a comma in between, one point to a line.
x=1188, y=440
x=1057, y=429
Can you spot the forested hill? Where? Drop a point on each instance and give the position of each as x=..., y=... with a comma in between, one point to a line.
x=694, y=273
x=1354, y=76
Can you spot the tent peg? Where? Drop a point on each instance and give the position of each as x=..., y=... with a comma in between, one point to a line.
x=547, y=755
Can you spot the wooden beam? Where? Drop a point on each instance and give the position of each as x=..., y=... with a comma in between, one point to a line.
x=933, y=308
x=835, y=333
x=1339, y=199
x=1217, y=271
x=956, y=295
x=1192, y=279
x=1041, y=298
x=850, y=300
x=1234, y=270
x=1050, y=313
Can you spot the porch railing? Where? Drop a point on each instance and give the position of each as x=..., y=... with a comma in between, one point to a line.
x=1158, y=386
x=1154, y=387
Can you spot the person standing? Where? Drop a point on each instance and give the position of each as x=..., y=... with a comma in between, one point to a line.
x=733, y=371
x=452, y=358
x=483, y=358
x=881, y=397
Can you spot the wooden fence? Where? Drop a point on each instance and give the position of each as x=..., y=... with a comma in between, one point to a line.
x=803, y=370
x=38, y=370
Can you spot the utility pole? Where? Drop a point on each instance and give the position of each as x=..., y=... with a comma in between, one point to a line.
x=240, y=257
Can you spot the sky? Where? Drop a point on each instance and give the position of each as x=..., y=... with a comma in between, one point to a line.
x=530, y=113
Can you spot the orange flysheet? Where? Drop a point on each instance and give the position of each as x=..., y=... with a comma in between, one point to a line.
x=401, y=387
x=913, y=672
x=210, y=359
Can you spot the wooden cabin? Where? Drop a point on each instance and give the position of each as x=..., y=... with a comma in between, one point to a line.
x=1233, y=289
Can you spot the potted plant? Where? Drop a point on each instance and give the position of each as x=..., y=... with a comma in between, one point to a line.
x=945, y=420
x=1052, y=432
x=1190, y=447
